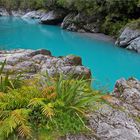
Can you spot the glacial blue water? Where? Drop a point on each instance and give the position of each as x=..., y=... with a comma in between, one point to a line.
x=106, y=61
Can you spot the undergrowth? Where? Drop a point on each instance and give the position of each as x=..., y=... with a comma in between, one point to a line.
x=45, y=108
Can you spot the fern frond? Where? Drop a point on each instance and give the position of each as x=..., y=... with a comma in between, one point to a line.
x=20, y=115
x=1, y=95
x=4, y=114
x=7, y=126
x=48, y=110
x=3, y=105
x=36, y=102
x=24, y=131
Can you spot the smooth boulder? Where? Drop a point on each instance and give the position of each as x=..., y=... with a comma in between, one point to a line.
x=53, y=17
x=129, y=39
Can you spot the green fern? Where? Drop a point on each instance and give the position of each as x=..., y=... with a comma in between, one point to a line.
x=55, y=105
x=6, y=82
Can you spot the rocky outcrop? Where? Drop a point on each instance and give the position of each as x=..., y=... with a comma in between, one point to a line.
x=79, y=22
x=30, y=62
x=18, y=13
x=3, y=12
x=68, y=22
x=118, y=118
x=34, y=14
x=76, y=22
x=53, y=17
x=129, y=92
x=130, y=39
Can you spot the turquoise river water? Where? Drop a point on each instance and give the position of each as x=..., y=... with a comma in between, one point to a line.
x=106, y=61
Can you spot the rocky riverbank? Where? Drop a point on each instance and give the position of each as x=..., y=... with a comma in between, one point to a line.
x=30, y=63
x=129, y=37
x=118, y=118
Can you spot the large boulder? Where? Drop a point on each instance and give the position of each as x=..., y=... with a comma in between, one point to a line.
x=127, y=36
x=53, y=17
x=134, y=45
x=130, y=37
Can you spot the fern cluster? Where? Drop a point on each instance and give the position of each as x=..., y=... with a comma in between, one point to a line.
x=40, y=109
x=6, y=80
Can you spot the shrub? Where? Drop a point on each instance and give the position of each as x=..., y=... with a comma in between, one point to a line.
x=46, y=108
x=134, y=24
x=112, y=27
x=6, y=81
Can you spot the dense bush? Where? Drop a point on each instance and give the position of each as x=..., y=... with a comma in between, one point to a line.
x=134, y=24
x=6, y=81
x=22, y=4
x=46, y=109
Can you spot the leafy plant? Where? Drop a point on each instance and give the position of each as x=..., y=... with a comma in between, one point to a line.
x=6, y=81
x=46, y=107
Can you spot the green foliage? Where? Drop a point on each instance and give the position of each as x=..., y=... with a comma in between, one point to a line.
x=6, y=82
x=45, y=108
x=134, y=24
x=109, y=15
x=112, y=28
x=22, y=4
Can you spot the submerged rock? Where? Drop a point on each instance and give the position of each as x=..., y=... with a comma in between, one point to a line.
x=31, y=62
x=53, y=17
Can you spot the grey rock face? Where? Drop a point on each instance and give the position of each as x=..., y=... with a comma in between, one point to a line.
x=68, y=20
x=31, y=62
x=92, y=27
x=79, y=22
x=129, y=39
x=34, y=14
x=128, y=91
x=18, y=13
x=3, y=12
x=134, y=45
x=117, y=121
x=53, y=17
x=112, y=124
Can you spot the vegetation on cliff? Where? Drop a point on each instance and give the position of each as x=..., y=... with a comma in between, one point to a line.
x=110, y=15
